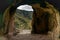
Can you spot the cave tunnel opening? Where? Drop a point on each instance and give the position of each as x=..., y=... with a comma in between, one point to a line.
x=23, y=18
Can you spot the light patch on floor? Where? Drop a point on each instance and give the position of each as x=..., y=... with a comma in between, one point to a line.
x=25, y=32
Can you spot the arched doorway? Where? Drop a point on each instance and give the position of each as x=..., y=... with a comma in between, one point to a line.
x=23, y=18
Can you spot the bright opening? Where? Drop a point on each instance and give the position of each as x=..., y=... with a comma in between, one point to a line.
x=23, y=18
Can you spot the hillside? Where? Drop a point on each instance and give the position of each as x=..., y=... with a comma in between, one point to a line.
x=23, y=19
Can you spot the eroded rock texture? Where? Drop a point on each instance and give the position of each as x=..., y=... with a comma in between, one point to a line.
x=44, y=19
x=8, y=19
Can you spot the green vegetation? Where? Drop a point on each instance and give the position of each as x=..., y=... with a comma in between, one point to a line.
x=22, y=20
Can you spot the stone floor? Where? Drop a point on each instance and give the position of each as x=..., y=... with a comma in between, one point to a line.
x=24, y=36
x=31, y=37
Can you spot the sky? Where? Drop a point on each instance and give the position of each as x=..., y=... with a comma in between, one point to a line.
x=25, y=7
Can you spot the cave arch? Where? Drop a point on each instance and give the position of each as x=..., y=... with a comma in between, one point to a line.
x=37, y=9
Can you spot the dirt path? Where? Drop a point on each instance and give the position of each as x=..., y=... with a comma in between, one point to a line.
x=31, y=37
x=23, y=36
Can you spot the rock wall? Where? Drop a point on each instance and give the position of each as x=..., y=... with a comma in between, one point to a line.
x=48, y=23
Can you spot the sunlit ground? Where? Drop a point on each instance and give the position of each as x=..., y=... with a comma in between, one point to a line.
x=25, y=32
